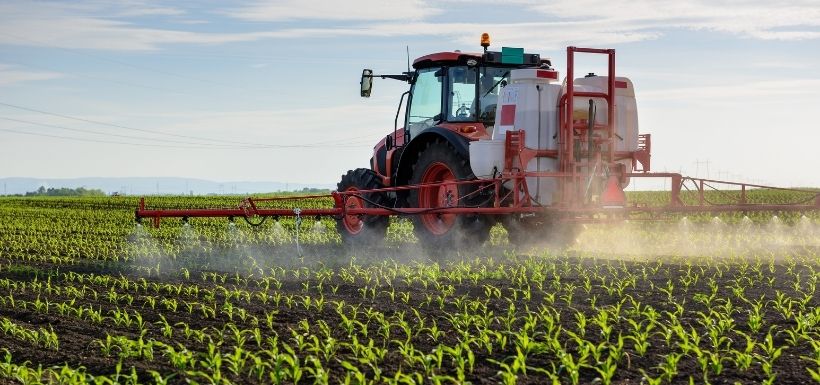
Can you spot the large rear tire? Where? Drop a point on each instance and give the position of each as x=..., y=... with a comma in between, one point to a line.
x=442, y=233
x=362, y=230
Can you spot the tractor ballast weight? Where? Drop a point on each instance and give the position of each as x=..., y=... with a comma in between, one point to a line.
x=546, y=164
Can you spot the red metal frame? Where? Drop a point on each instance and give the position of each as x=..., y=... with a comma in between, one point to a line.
x=599, y=162
x=572, y=133
x=521, y=203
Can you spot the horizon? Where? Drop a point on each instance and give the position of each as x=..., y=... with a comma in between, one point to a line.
x=173, y=186
x=156, y=186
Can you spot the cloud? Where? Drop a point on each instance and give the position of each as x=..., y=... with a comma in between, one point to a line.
x=789, y=63
x=73, y=26
x=748, y=18
x=10, y=75
x=604, y=22
x=360, y=10
x=119, y=9
x=99, y=25
x=584, y=22
x=607, y=22
x=140, y=8
x=53, y=28
x=798, y=89
x=126, y=26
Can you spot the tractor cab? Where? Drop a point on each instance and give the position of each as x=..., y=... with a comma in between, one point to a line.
x=455, y=90
x=459, y=90
x=454, y=93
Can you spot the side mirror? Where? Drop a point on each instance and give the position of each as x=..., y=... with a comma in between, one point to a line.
x=366, y=82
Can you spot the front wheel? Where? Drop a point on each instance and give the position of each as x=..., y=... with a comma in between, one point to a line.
x=362, y=230
x=437, y=170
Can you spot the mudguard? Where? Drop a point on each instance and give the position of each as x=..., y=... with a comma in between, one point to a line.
x=410, y=153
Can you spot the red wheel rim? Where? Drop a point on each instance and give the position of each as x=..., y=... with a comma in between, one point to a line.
x=353, y=224
x=442, y=195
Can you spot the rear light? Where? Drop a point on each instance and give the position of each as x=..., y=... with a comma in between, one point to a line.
x=547, y=74
x=467, y=129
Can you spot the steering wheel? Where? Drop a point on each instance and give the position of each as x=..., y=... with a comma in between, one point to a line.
x=463, y=111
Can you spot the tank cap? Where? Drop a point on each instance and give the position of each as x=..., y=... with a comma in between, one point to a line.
x=591, y=75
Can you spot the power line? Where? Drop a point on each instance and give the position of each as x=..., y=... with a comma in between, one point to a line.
x=120, y=126
x=99, y=140
x=333, y=143
x=119, y=82
x=336, y=143
x=117, y=135
x=128, y=143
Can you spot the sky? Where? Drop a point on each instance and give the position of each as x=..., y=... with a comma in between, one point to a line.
x=268, y=90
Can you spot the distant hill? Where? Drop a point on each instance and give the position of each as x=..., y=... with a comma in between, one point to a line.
x=151, y=186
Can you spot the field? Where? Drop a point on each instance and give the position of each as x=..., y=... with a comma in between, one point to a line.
x=88, y=297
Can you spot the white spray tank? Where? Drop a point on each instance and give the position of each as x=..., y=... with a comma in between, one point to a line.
x=529, y=103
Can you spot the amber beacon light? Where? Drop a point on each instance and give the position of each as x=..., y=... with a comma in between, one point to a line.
x=485, y=40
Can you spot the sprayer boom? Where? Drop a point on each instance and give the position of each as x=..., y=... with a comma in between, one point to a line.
x=688, y=195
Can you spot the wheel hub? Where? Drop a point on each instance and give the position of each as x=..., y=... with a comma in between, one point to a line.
x=440, y=195
x=353, y=222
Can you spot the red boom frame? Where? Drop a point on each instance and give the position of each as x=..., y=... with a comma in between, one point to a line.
x=587, y=213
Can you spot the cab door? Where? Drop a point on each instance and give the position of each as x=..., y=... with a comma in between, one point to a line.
x=426, y=102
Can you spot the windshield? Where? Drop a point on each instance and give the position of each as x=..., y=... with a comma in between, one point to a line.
x=474, y=93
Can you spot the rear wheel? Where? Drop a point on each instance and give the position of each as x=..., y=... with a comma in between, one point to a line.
x=362, y=229
x=440, y=164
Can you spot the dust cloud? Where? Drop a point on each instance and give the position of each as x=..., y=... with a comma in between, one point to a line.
x=253, y=251
x=701, y=237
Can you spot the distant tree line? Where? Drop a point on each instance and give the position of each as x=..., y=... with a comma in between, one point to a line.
x=66, y=192
x=314, y=190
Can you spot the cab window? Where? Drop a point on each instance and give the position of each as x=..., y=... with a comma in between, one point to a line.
x=425, y=105
x=462, y=86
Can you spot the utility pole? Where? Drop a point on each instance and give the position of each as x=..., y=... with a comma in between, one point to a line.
x=697, y=168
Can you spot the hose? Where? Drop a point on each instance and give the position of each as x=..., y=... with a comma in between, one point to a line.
x=257, y=224
x=402, y=212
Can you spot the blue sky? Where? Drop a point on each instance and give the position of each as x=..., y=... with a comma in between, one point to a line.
x=268, y=90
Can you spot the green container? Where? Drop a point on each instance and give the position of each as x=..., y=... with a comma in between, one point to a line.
x=510, y=55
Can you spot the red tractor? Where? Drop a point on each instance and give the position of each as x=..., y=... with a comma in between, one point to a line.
x=452, y=102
